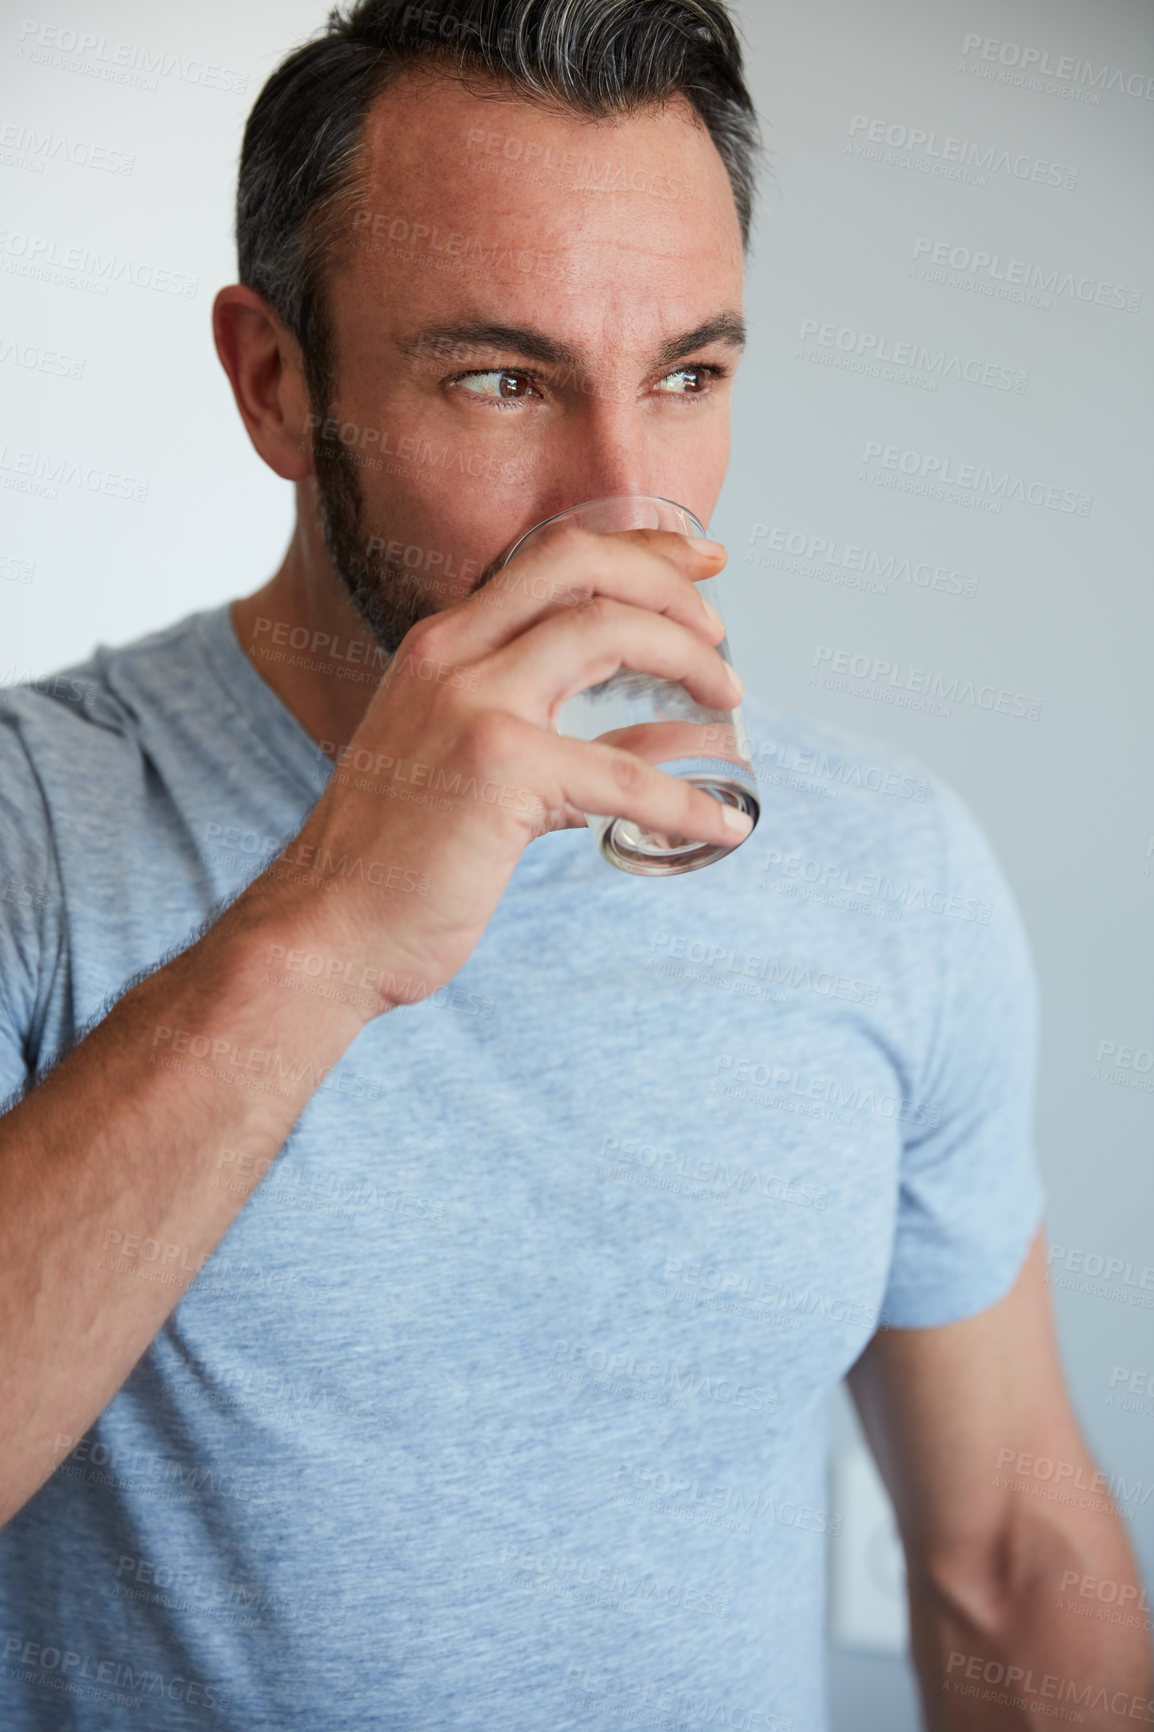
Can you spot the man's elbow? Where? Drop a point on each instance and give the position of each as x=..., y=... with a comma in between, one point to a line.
x=1037, y=1555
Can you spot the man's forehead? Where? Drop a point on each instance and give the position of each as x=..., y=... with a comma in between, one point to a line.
x=492, y=209
x=495, y=168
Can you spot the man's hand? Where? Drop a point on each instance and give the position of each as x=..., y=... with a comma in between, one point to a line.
x=142, y=1135
x=450, y=777
x=999, y=1555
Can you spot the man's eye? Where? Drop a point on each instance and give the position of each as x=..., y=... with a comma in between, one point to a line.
x=686, y=382
x=498, y=384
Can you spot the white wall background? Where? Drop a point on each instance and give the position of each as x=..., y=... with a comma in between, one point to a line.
x=121, y=124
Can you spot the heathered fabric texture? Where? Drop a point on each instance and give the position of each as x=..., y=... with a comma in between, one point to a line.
x=501, y=1404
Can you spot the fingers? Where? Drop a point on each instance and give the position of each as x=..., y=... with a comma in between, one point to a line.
x=566, y=653
x=596, y=777
x=652, y=568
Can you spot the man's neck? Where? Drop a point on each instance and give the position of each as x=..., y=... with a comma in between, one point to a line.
x=307, y=641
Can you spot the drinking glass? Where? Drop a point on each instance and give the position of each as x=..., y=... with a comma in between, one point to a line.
x=654, y=718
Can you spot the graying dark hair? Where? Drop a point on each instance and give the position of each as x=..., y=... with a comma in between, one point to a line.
x=301, y=160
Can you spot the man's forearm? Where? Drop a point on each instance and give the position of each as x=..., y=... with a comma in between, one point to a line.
x=1041, y=1649
x=123, y=1169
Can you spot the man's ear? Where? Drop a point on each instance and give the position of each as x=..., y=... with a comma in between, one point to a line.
x=266, y=371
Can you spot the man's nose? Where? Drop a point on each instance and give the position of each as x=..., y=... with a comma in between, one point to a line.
x=608, y=454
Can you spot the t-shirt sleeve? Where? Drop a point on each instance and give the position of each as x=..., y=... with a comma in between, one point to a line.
x=971, y=1195
x=30, y=911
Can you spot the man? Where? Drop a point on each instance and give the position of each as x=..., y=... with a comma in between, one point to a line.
x=422, y=1275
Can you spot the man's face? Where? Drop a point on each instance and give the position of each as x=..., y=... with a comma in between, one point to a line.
x=530, y=310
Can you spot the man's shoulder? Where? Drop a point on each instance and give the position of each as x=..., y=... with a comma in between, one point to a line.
x=852, y=820
x=76, y=744
x=109, y=690
x=840, y=778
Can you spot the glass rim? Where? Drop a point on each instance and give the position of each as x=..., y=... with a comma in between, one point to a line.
x=603, y=499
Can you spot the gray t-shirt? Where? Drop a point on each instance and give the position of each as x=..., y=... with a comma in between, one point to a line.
x=501, y=1404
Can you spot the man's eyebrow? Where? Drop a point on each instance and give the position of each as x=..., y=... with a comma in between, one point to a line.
x=726, y=328
x=447, y=341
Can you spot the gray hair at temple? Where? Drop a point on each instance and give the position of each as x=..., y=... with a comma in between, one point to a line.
x=301, y=163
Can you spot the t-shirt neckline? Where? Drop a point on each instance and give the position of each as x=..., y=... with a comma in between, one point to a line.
x=267, y=715
x=296, y=754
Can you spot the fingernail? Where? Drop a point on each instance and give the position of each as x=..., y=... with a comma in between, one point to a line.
x=737, y=681
x=739, y=822
x=704, y=545
x=711, y=613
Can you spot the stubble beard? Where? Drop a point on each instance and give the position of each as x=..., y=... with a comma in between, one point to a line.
x=389, y=598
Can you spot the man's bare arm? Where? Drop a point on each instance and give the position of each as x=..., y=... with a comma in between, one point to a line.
x=130, y=1161
x=1003, y=1635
